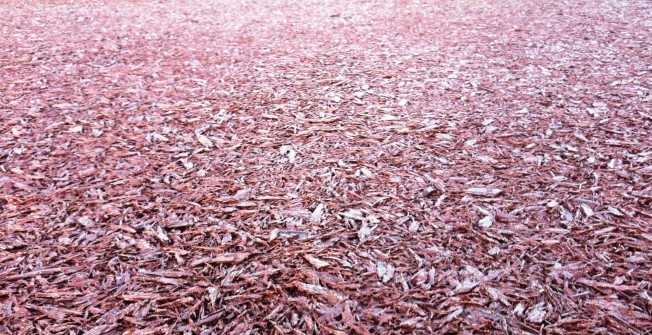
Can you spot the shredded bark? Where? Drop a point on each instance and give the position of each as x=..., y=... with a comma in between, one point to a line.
x=326, y=167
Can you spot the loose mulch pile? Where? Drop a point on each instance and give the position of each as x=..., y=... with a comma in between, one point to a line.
x=326, y=167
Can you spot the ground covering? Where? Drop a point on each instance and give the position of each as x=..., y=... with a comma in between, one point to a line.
x=316, y=167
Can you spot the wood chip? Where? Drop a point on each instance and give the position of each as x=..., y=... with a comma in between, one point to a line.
x=316, y=262
x=222, y=259
x=485, y=192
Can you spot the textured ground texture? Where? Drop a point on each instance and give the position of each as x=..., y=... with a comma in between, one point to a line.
x=326, y=167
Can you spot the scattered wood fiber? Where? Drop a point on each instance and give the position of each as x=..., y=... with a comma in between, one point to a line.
x=325, y=167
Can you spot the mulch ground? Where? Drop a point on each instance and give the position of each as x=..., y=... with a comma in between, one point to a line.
x=326, y=167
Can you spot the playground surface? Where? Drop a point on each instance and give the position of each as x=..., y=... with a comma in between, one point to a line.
x=326, y=167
